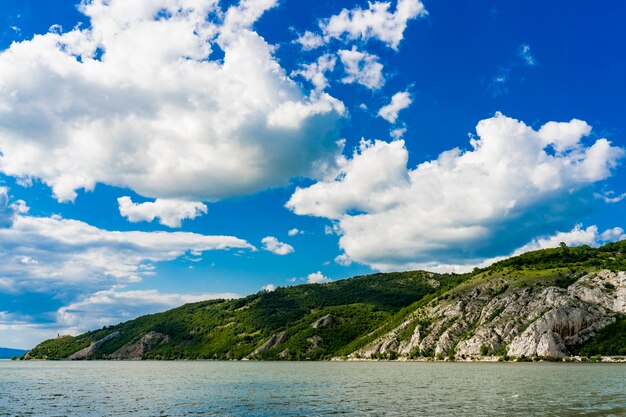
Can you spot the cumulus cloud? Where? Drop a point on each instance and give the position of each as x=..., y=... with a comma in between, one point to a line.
x=399, y=101
x=343, y=260
x=398, y=133
x=271, y=244
x=575, y=237
x=105, y=308
x=315, y=72
x=309, y=40
x=515, y=184
x=134, y=99
x=294, y=232
x=361, y=68
x=375, y=22
x=317, y=278
x=269, y=287
x=169, y=212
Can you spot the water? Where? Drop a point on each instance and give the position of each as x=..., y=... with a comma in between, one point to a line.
x=310, y=389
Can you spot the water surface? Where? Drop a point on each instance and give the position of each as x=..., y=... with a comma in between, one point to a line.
x=310, y=389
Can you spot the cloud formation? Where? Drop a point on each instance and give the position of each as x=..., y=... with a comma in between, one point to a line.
x=515, y=184
x=294, y=232
x=271, y=244
x=170, y=213
x=317, y=278
x=375, y=22
x=361, y=68
x=135, y=100
x=38, y=254
x=399, y=101
x=527, y=56
x=315, y=72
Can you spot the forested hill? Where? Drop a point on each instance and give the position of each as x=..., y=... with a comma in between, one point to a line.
x=7, y=353
x=404, y=314
x=234, y=329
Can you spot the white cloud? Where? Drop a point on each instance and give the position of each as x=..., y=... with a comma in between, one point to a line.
x=294, y=232
x=134, y=100
x=20, y=334
x=464, y=207
x=271, y=244
x=399, y=101
x=19, y=207
x=362, y=68
x=38, y=254
x=6, y=213
x=576, y=237
x=527, y=56
x=269, y=287
x=105, y=308
x=317, y=278
x=376, y=22
x=397, y=134
x=364, y=185
x=309, y=40
x=343, y=260
x=170, y=212
x=610, y=197
x=315, y=72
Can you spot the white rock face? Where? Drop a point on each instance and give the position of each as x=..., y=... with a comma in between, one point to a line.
x=533, y=319
x=274, y=341
x=91, y=349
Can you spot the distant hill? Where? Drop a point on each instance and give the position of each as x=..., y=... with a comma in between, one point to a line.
x=6, y=353
x=547, y=303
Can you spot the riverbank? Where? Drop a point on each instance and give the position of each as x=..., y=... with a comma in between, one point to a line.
x=566, y=359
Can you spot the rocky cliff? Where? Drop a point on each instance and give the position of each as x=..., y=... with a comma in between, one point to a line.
x=515, y=314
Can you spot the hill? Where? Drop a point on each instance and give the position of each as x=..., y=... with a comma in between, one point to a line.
x=235, y=329
x=7, y=353
x=551, y=303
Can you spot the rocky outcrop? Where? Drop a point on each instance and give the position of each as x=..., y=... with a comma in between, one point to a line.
x=528, y=319
x=274, y=341
x=314, y=342
x=90, y=350
x=138, y=348
x=327, y=321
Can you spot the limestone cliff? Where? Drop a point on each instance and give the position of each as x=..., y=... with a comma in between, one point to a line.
x=516, y=314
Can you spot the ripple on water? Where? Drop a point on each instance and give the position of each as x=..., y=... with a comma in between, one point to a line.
x=49, y=389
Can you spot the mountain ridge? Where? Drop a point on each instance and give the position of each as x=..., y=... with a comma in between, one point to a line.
x=8, y=353
x=546, y=303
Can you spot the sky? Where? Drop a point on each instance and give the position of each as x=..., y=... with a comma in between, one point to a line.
x=159, y=152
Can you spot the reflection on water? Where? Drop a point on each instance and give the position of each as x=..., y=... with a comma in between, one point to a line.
x=310, y=389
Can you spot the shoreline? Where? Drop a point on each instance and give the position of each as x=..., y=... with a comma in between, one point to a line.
x=497, y=359
x=484, y=359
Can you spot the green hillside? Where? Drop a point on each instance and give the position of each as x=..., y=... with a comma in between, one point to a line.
x=320, y=321
x=233, y=329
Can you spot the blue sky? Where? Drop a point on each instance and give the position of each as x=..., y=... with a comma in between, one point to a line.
x=154, y=153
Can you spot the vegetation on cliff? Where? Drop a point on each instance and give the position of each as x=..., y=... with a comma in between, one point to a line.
x=320, y=321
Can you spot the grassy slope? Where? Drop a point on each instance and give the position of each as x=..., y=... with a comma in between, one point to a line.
x=222, y=329
x=366, y=307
